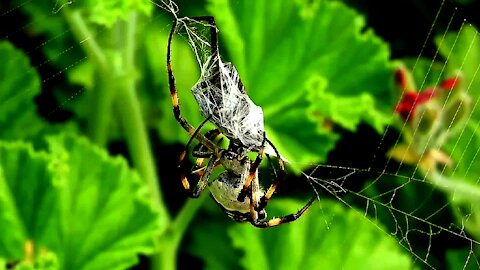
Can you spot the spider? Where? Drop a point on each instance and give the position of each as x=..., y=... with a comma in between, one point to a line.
x=224, y=102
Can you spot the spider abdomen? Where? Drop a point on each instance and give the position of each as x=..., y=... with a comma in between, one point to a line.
x=225, y=190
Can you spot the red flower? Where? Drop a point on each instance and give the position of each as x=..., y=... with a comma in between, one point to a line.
x=449, y=84
x=410, y=100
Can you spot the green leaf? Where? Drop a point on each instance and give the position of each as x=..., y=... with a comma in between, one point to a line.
x=90, y=210
x=104, y=13
x=461, y=259
x=306, y=144
x=426, y=73
x=327, y=236
x=28, y=200
x=110, y=11
x=279, y=46
x=349, y=111
x=464, y=149
x=19, y=84
x=462, y=49
x=106, y=214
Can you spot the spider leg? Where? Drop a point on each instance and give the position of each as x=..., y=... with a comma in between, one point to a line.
x=258, y=205
x=194, y=135
x=205, y=176
x=254, y=168
x=257, y=211
x=174, y=96
x=199, y=151
x=251, y=175
x=201, y=154
x=202, y=173
x=281, y=220
x=269, y=193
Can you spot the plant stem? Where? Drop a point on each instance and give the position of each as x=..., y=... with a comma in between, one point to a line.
x=132, y=121
x=102, y=97
x=126, y=99
x=137, y=140
x=117, y=85
x=457, y=187
x=101, y=109
x=172, y=239
x=85, y=37
x=187, y=213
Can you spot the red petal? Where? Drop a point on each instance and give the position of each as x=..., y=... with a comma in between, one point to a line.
x=409, y=97
x=401, y=77
x=449, y=83
x=406, y=107
x=425, y=96
x=410, y=100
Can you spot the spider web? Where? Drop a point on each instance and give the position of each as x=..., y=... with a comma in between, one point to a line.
x=379, y=198
x=419, y=228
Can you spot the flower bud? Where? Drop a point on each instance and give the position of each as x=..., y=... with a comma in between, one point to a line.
x=427, y=119
x=404, y=153
x=457, y=111
x=403, y=79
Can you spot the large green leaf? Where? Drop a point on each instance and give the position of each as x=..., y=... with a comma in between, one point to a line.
x=28, y=200
x=278, y=47
x=106, y=215
x=88, y=208
x=328, y=236
x=19, y=84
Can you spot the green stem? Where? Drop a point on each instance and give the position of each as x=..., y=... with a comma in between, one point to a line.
x=118, y=86
x=132, y=121
x=102, y=97
x=172, y=239
x=101, y=109
x=126, y=100
x=85, y=37
x=457, y=187
x=137, y=139
x=187, y=213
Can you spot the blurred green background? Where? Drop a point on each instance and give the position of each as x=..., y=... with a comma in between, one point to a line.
x=86, y=117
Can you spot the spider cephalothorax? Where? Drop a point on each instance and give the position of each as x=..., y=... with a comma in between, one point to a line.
x=224, y=102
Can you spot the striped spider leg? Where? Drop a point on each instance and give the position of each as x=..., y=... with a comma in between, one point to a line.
x=224, y=102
